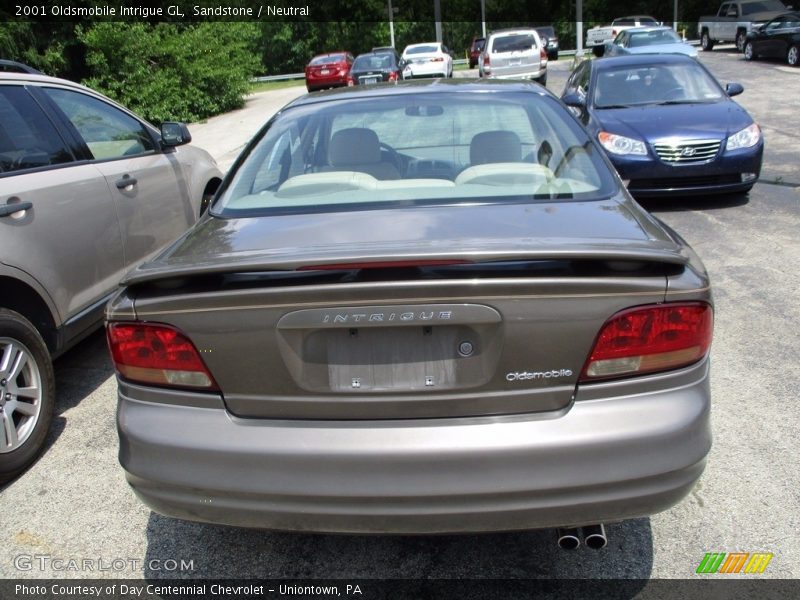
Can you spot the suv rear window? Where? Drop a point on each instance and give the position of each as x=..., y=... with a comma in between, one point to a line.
x=513, y=42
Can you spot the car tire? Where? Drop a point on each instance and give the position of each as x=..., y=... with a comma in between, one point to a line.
x=793, y=56
x=749, y=53
x=741, y=36
x=706, y=43
x=553, y=56
x=25, y=423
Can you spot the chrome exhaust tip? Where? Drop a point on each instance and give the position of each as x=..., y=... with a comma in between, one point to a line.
x=568, y=538
x=594, y=536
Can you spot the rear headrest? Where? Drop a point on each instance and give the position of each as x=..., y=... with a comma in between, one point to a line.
x=495, y=147
x=354, y=146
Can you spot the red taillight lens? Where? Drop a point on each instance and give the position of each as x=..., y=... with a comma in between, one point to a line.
x=650, y=338
x=437, y=59
x=613, y=33
x=485, y=60
x=542, y=54
x=157, y=354
x=393, y=75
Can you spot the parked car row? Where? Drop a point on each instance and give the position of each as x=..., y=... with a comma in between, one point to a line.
x=339, y=69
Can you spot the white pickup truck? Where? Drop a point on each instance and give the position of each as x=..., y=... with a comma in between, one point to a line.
x=597, y=37
x=734, y=20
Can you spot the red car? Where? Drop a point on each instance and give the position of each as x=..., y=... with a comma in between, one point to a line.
x=328, y=70
x=475, y=50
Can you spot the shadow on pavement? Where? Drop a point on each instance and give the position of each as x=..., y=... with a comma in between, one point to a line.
x=225, y=552
x=684, y=203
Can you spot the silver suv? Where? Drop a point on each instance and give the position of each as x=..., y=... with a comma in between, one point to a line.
x=514, y=54
x=87, y=191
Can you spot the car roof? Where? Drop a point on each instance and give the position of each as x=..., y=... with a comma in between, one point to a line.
x=635, y=18
x=513, y=30
x=423, y=44
x=641, y=60
x=646, y=28
x=422, y=86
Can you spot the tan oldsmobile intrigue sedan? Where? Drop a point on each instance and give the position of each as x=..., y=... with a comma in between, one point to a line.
x=417, y=308
x=87, y=191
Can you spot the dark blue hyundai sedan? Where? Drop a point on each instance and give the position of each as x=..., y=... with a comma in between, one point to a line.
x=667, y=125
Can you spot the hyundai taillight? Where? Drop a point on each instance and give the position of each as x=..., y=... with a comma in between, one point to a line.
x=157, y=354
x=653, y=338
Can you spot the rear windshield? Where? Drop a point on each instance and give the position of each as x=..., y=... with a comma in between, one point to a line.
x=368, y=62
x=513, y=42
x=326, y=58
x=650, y=38
x=422, y=49
x=428, y=149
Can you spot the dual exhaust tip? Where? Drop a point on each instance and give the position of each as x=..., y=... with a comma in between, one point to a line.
x=594, y=536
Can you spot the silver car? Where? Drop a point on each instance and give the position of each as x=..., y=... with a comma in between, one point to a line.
x=514, y=54
x=649, y=40
x=418, y=308
x=87, y=191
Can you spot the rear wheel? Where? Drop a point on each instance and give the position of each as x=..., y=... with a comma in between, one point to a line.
x=749, y=53
x=793, y=56
x=27, y=393
x=706, y=43
x=741, y=35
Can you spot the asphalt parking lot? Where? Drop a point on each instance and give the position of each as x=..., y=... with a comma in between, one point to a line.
x=74, y=502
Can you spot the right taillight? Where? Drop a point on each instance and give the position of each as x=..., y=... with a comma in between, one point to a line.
x=485, y=60
x=653, y=338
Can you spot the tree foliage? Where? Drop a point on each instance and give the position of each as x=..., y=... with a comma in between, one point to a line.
x=169, y=71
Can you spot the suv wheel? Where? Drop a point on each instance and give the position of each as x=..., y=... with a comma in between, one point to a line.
x=27, y=393
x=706, y=43
x=748, y=51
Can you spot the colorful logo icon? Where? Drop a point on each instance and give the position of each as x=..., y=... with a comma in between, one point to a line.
x=734, y=562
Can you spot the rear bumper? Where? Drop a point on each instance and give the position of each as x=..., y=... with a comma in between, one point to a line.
x=502, y=73
x=601, y=460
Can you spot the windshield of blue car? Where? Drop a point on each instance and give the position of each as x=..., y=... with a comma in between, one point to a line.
x=650, y=38
x=685, y=82
x=409, y=149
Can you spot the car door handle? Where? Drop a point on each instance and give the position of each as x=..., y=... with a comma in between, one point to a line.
x=126, y=181
x=9, y=209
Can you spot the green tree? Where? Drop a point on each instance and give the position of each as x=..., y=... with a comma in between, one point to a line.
x=169, y=71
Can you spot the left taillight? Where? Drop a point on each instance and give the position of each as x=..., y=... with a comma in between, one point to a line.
x=649, y=339
x=157, y=354
x=394, y=75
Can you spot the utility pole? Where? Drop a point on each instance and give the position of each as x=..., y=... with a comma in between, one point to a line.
x=437, y=17
x=391, y=23
x=483, y=17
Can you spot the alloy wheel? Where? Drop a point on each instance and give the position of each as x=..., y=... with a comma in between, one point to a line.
x=20, y=394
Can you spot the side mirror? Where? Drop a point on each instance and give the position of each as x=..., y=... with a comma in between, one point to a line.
x=734, y=89
x=575, y=103
x=174, y=134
